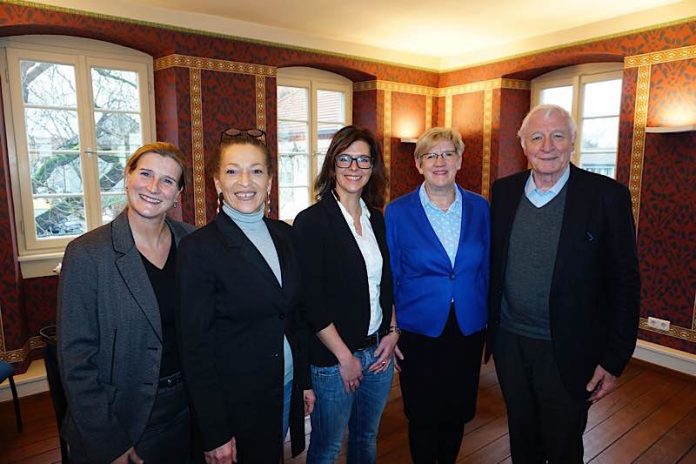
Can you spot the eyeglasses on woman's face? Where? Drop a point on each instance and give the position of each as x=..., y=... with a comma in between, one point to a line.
x=345, y=161
x=433, y=156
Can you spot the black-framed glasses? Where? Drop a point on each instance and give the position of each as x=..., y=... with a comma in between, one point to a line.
x=432, y=157
x=253, y=133
x=345, y=161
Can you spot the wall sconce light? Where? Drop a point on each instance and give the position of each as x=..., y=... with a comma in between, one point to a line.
x=408, y=140
x=670, y=129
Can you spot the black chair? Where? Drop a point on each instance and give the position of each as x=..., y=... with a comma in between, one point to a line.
x=60, y=404
x=7, y=372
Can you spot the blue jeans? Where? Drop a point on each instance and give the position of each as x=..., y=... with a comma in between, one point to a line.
x=287, y=394
x=360, y=411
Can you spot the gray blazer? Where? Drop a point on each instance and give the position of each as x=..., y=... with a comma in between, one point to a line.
x=109, y=340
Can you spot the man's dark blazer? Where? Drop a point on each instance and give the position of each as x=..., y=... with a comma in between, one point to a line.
x=595, y=290
x=335, y=277
x=109, y=340
x=231, y=320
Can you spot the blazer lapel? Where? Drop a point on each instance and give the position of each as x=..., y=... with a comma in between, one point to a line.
x=343, y=234
x=574, y=218
x=420, y=217
x=235, y=238
x=130, y=266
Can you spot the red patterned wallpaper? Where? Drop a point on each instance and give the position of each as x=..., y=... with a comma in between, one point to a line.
x=364, y=109
x=229, y=99
x=408, y=120
x=667, y=232
x=467, y=117
x=172, y=109
x=508, y=158
x=628, y=108
x=672, y=94
x=614, y=49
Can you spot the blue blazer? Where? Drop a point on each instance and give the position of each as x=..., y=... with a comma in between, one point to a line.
x=424, y=280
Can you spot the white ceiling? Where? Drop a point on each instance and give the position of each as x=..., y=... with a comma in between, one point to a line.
x=438, y=35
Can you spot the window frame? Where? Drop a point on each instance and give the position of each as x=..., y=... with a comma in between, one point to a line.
x=577, y=76
x=315, y=80
x=38, y=257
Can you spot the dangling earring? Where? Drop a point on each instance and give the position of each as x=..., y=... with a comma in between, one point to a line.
x=176, y=203
x=220, y=201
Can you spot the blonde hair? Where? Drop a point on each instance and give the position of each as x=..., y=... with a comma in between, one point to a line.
x=438, y=134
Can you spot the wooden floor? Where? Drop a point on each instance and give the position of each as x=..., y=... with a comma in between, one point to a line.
x=650, y=418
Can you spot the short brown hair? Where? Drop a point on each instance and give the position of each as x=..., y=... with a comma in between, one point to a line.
x=164, y=149
x=374, y=192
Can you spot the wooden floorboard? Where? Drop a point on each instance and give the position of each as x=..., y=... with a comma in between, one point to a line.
x=649, y=419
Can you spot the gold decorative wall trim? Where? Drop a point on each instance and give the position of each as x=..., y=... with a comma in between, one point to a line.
x=428, y=112
x=386, y=150
x=674, y=331
x=20, y=354
x=389, y=86
x=261, y=103
x=197, y=152
x=486, y=149
x=210, y=64
x=640, y=120
x=666, y=56
x=448, y=111
x=479, y=86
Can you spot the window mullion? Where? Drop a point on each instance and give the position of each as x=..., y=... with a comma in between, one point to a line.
x=88, y=147
x=314, y=139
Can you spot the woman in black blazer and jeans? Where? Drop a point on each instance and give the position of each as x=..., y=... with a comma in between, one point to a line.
x=348, y=298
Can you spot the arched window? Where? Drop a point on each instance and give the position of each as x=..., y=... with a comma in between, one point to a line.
x=592, y=94
x=75, y=109
x=312, y=106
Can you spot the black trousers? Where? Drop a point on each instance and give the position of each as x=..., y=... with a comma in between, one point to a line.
x=546, y=423
x=439, y=384
x=167, y=437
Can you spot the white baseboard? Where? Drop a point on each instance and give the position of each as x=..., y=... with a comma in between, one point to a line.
x=33, y=381
x=663, y=356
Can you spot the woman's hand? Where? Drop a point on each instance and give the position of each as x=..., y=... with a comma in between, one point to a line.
x=351, y=372
x=130, y=456
x=225, y=454
x=309, y=400
x=385, y=352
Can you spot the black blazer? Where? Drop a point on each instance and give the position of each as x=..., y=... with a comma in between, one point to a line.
x=595, y=291
x=335, y=287
x=232, y=317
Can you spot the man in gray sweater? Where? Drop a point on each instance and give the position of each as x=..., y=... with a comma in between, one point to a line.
x=564, y=293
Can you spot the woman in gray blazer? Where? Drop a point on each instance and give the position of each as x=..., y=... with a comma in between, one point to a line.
x=117, y=348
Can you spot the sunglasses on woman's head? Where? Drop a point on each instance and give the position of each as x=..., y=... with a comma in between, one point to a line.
x=232, y=133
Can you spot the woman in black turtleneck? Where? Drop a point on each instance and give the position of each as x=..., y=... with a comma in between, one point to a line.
x=243, y=347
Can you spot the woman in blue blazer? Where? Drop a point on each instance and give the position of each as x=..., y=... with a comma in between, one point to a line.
x=438, y=240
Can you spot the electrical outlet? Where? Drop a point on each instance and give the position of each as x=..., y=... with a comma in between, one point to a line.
x=659, y=324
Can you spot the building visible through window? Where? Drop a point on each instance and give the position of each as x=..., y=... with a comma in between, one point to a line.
x=312, y=106
x=592, y=94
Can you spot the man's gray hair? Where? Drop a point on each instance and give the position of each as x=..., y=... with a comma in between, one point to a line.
x=548, y=110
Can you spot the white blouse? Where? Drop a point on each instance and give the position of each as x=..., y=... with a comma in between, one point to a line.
x=367, y=243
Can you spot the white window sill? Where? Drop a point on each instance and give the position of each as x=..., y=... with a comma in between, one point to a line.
x=42, y=265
